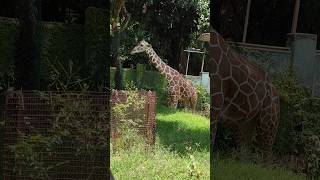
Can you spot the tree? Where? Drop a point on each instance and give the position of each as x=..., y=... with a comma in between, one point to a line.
x=27, y=56
x=215, y=15
x=170, y=23
x=117, y=26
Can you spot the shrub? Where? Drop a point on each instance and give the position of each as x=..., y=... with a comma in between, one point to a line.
x=75, y=124
x=129, y=116
x=203, y=102
x=290, y=126
x=299, y=126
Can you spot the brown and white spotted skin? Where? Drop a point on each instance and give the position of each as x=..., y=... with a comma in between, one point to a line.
x=179, y=88
x=242, y=96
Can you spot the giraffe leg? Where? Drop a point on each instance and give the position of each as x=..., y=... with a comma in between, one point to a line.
x=193, y=103
x=215, y=117
x=216, y=103
x=243, y=137
x=173, y=101
x=266, y=131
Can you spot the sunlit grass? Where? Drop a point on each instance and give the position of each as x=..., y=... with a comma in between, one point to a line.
x=181, y=134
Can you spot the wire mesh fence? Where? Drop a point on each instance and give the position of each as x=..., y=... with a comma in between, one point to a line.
x=52, y=135
x=144, y=117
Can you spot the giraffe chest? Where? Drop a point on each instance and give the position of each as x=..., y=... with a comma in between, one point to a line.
x=181, y=87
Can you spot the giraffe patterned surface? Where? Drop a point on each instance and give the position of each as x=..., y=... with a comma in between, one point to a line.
x=179, y=88
x=242, y=96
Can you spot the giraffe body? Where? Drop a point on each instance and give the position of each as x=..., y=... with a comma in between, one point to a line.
x=242, y=96
x=179, y=88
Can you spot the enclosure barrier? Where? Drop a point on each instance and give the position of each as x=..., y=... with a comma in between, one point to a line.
x=35, y=114
x=147, y=126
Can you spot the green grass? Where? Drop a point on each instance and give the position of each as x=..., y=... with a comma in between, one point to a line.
x=229, y=169
x=179, y=135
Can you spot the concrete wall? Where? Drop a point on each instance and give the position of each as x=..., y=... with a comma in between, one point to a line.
x=272, y=58
x=316, y=79
x=303, y=56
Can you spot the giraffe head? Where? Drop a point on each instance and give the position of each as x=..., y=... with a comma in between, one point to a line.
x=140, y=47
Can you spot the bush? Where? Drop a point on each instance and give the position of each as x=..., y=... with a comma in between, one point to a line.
x=290, y=126
x=299, y=126
x=129, y=116
x=203, y=102
x=76, y=126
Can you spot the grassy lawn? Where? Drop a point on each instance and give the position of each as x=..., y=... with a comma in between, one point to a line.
x=228, y=169
x=183, y=140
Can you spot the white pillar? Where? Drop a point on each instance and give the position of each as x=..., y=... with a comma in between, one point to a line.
x=295, y=17
x=244, y=37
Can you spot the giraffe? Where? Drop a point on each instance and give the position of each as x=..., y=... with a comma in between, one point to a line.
x=179, y=88
x=242, y=97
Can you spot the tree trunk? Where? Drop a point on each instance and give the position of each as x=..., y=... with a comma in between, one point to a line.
x=118, y=74
x=215, y=16
x=27, y=54
x=183, y=61
x=175, y=55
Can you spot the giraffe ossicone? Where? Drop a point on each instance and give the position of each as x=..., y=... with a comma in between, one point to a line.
x=242, y=96
x=179, y=88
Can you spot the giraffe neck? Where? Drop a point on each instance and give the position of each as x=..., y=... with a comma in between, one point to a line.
x=219, y=46
x=162, y=67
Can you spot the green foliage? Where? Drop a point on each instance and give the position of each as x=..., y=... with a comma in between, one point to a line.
x=75, y=124
x=129, y=116
x=168, y=25
x=204, y=11
x=63, y=78
x=97, y=46
x=203, y=102
x=299, y=128
x=291, y=94
x=129, y=38
x=150, y=80
x=228, y=169
x=194, y=170
x=84, y=46
x=63, y=43
x=203, y=21
x=27, y=153
x=8, y=30
x=181, y=150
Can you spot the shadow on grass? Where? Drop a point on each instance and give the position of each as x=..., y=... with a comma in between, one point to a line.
x=172, y=135
x=165, y=110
